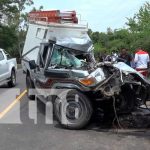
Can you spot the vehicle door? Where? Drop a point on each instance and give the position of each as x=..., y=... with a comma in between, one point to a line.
x=43, y=55
x=3, y=66
x=58, y=67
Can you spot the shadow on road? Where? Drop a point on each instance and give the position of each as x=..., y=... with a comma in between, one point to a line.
x=96, y=126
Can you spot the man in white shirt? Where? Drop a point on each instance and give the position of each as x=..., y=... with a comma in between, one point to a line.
x=142, y=60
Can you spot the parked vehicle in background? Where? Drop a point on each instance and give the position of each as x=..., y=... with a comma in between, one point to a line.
x=8, y=67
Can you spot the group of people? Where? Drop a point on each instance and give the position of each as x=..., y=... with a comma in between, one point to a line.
x=139, y=61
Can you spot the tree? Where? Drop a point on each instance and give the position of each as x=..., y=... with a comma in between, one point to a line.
x=8, y=37
x=13, y=9
x=39, y=9
x=139, y=27
x=137, y=35
x=8, y=7
x=95, y=37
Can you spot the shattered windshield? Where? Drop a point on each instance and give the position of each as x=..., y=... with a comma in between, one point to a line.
x=63, y=57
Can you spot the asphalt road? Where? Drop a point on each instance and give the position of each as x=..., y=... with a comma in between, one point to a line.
x=26, y=135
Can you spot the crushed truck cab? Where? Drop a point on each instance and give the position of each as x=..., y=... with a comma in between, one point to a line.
x=57, y=48
x=60, y=68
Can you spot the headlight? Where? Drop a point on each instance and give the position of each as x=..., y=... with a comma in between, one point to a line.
x=87, y=81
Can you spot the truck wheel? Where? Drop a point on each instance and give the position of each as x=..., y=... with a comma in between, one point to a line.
x=73, y=112
x=12, y=81
x=29, y=85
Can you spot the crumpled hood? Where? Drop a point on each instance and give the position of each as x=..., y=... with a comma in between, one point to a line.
x=83, y=44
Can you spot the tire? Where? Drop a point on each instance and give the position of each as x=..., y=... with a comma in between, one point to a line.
x=82, y=104
x=12, y=81
x=127, y=99
x=29, y=85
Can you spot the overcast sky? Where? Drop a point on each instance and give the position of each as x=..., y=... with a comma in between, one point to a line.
x=99, y=14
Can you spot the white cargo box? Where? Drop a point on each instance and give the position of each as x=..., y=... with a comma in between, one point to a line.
x=62, y=33
x=71, y=35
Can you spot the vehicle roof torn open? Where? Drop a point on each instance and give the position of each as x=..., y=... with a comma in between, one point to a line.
x=81, y=44
x=67, y=34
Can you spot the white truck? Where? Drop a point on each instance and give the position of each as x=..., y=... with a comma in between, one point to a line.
x=60, y=68
x=8, y=68
x=45, y=26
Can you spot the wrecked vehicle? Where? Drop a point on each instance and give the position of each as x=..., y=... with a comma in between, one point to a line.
x=67, y=63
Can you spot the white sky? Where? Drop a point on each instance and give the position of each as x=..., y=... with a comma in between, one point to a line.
x=100, y=14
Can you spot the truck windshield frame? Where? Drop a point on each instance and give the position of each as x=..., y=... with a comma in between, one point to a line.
x=63, y=57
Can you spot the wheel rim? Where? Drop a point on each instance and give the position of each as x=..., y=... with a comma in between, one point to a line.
x=72, y=110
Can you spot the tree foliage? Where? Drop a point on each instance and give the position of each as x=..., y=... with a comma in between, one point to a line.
x=12, y=35
x=137, y=34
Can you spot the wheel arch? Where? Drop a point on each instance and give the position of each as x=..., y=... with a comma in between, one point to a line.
x=13, y=69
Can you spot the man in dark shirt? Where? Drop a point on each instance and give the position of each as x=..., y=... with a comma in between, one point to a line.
x=125, y=57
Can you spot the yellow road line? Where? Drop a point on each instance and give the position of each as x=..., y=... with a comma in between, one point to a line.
x=3, y=113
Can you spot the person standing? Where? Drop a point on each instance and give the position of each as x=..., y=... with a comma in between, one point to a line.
x=125, y=57
x=142, y=61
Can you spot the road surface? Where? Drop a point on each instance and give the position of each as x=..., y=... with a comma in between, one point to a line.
x=26, y=135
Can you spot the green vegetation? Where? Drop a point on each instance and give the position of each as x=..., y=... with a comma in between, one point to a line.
x=137, y=33
x=12, y=34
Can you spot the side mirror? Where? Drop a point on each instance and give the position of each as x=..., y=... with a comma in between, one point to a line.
x=32, y=64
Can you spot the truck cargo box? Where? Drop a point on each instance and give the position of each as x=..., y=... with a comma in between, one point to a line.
x=71, y=35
